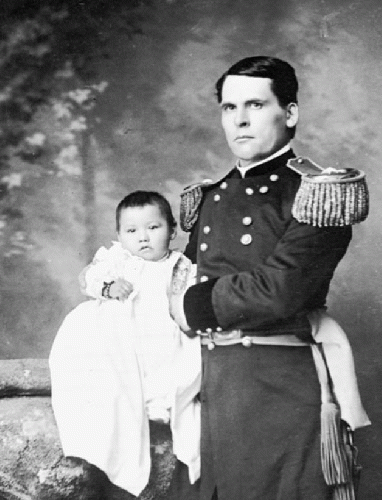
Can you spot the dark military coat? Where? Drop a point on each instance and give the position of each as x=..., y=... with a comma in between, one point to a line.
x=261, y=271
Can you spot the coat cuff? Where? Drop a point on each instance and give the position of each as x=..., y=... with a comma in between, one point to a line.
x=198, y=307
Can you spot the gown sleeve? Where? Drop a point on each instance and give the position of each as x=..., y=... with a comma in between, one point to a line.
x=99, y=271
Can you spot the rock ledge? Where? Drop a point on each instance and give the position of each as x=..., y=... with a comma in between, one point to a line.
x=32, y=464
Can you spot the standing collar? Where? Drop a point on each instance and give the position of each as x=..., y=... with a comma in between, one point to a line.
x=271, y=164
x=280, y=152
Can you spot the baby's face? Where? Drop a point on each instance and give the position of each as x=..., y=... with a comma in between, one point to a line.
x=144, y=232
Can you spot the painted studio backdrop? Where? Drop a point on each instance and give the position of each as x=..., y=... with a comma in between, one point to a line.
x=99, y=98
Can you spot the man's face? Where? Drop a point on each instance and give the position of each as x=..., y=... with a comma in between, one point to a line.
x=144, y=232
x=254, y=123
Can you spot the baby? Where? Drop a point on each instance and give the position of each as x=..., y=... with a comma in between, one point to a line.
x=121, y=360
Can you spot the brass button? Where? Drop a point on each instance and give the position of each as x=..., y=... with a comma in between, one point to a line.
x=223, y=185
x=274, y=177
x=217, y=197
x=249, y=191
x=219, y=329
x=206, y=229
x=203, y=247
x=246, y=239
x=211, y=346
x=208, y=330
x=264, y=189
x=203, y=278
x=246, y=341
x=198, y=332
x=247, y=221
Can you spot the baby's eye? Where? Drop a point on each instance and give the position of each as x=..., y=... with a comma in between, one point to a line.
x=130, y=230
x=153, y=226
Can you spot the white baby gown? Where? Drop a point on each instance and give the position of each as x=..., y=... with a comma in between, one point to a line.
x=115, y=364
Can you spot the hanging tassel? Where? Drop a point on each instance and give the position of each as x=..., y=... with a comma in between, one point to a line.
x=348, y=491
x=334, y=460
x=337, y=459
x=343, y=492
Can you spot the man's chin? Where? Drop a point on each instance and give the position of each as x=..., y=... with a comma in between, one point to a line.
x=244, y=154
x=252, y=157
x=248, y=159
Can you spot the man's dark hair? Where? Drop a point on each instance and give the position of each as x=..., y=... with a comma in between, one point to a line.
x=284, y=82
x=143, y=198
x=283, y=78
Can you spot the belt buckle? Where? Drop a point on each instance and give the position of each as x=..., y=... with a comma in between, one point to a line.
x=230, y=335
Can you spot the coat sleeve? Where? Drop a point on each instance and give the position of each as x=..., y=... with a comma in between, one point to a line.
x=291, y=281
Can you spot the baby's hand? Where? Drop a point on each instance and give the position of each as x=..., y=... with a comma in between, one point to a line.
x=120, y=289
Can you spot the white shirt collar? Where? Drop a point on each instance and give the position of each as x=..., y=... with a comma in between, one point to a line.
x=244, y=170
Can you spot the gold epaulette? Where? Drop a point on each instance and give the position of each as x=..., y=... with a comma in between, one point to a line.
x=329, y=197
x=189, y=204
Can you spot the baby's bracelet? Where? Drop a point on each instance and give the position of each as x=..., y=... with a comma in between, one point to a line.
x=106, y=290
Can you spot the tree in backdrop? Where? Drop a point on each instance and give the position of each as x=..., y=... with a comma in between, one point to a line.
x=48, y=111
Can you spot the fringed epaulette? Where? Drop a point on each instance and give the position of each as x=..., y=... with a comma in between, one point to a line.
x=329, y=197
x=190, y=200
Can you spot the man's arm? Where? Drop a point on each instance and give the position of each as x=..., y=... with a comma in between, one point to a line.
x=287, y=283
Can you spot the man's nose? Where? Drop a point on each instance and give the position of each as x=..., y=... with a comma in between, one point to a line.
x=241, y=117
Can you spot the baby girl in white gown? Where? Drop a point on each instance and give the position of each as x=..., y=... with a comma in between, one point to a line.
x=115, y=364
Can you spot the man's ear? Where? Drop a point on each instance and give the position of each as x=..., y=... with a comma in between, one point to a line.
x=292, y=114
x=173, y=234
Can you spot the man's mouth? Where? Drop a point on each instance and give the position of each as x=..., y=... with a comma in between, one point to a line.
x=243, y=138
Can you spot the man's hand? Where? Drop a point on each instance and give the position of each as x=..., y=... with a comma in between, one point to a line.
x=177, y=312
x=120, y=289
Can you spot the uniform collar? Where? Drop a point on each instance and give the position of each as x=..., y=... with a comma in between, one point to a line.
x=280, y=152
x=267, y=166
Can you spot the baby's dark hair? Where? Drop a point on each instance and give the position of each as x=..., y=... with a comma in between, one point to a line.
x=143, y=198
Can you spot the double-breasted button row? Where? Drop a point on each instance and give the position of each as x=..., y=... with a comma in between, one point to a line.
x=249, y=191
x=246, y=239
x=273, y=178
x=204, y=245
x=262, y=189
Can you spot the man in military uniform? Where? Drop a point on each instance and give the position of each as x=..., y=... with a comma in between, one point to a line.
x=260, y=273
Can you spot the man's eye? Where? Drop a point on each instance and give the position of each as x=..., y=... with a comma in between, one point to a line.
x=256, y=105
x=228, y=107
